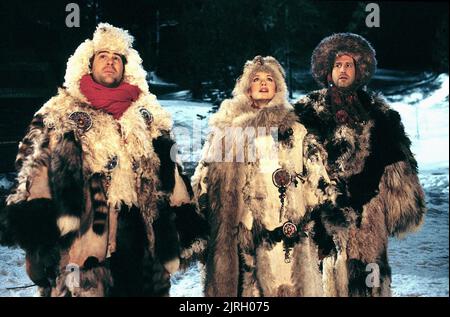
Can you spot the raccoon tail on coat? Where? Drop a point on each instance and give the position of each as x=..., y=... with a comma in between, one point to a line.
x=99, y=203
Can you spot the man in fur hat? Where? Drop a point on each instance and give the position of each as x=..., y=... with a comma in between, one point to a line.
x=99, y=205
x=367, y=153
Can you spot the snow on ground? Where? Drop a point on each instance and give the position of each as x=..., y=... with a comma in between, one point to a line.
x=12, y=274
x=425, y=117
x=189, y=283
x=155, y=80
x=419, y=262
x=190, y=128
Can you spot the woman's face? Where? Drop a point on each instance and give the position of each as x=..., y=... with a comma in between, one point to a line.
x=262, y=87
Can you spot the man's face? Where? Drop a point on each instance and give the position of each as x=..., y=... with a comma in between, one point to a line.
x=107, y=68
x=343, y=73
x=262, y=86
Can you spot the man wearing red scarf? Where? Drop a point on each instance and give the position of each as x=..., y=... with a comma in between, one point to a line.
x=101, y=207
x=104, y=88
x=367, y=153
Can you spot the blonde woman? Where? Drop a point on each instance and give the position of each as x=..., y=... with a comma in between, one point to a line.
x=257, y=183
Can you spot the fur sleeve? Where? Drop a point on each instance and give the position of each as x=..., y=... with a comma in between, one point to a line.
x=29, y=220
x=319, y=188
x=403, y=198
x=180, y=230
x=33, y=156
x=402, y=193
x=199, y=187
x=308, y=110
x=48, y=177
x=219, y=203
x=191, y=225
x=399, y=189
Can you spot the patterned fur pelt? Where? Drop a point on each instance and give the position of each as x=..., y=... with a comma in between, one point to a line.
x=247, y=254
x=79, y=170
x=378, y=177
x=67, y=178
x=67, y=182
x=242, y=206
x=33, y=155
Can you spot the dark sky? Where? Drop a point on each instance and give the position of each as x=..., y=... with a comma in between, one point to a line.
x=223, y=33
x=202, y=44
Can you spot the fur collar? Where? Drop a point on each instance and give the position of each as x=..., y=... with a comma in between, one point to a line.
x=129, y=139
x=63, y=104
x=313, y=111
x=347, y=146
x=109, y=37
x=238, y=112
x=316, y=104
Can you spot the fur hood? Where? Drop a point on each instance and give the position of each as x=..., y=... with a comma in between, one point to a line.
x=108, y=37
x=118, y=40
x=235, y=190
x=351, y=44
x=238, y=111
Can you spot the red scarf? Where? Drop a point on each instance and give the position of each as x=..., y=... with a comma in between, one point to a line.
x=114, y=101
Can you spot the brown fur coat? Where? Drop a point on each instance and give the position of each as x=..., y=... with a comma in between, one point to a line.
x=236, y=192
x=372, y=162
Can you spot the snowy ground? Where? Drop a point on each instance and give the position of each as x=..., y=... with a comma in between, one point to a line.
x=419, y=262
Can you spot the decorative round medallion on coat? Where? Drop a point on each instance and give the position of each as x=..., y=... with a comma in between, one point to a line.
x=49, y=124
x=289, y=229
x=112, y=163
x=342, y=116
x=82, y=120
x=281, y=178
x=147, y=115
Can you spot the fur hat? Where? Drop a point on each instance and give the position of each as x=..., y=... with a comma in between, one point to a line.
x=264, y=64
x=106, y=37
x=237, y=110
x=354, y=45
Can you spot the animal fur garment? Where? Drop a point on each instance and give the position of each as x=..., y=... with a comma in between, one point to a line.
x=66, y=182
x=167, y=244
x=377, y=174
x=354, y=45
x=80, y=170
x=246, y=252
x=99, y=203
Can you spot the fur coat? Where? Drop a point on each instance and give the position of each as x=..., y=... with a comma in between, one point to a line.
x=372, y=164
x=248, y=254
x=97, y=197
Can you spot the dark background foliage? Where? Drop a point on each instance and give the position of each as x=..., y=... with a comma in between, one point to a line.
x=203, y=44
